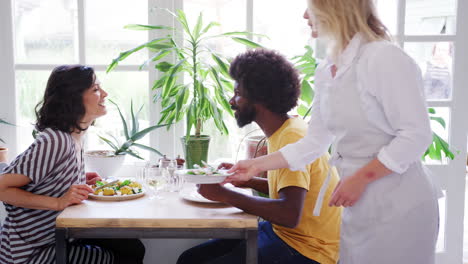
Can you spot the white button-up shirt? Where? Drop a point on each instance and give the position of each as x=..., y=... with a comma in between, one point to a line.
x=391, y=91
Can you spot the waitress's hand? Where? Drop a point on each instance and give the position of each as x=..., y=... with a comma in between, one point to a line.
x=348, y=191
x=244, y=170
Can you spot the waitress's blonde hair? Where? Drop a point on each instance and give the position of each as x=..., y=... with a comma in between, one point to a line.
x=340, y=20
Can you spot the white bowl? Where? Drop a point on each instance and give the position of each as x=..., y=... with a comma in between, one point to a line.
x=103, y=163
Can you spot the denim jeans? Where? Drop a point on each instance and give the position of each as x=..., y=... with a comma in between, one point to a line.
x=271, y=250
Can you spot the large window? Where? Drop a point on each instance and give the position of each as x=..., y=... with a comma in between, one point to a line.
x=82, y=32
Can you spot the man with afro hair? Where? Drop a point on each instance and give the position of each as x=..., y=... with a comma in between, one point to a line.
x=267, y=87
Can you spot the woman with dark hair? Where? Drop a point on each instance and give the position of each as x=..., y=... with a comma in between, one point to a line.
x=49, y=176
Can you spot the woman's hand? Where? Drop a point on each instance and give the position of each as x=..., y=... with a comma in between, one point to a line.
x=244, y=170
x=92, y=177
x=348, y=191
x=75, y=195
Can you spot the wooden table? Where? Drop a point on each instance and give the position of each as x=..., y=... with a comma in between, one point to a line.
x=170, y=217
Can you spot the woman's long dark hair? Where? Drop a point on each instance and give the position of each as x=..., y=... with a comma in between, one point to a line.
x=62, y=106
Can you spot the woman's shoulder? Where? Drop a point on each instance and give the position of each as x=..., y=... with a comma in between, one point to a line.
x=54, y=136
x=384, y=54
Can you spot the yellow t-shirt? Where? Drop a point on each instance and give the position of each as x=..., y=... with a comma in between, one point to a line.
x=316, y=237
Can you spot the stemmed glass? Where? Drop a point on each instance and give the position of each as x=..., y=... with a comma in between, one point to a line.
x=154, y=181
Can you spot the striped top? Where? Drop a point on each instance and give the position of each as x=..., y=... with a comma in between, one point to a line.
x=51, y=164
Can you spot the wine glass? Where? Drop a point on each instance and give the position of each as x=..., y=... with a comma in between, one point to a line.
x=154, y=181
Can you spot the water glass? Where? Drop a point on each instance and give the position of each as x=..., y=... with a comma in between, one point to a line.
x=140, y=168
x=168, y=168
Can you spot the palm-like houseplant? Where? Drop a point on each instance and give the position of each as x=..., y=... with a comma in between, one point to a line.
x=204, y=96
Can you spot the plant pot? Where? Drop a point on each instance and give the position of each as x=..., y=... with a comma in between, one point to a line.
x=4, y=154
x=104, y=162
x=195, y=149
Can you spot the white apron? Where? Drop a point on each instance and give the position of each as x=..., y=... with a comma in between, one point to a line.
x=396, y=219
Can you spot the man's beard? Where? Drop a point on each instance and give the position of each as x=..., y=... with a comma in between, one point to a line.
x=245, y=116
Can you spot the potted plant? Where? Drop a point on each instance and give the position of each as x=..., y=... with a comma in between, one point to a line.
x=108, y=162
x=204, y=96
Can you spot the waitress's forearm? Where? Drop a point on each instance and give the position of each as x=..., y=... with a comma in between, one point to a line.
x=373, y=171
x=272, y=161
x=21, y=198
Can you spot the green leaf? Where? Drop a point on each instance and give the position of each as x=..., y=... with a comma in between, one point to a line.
x=146, y=27
x=307, y=93
x=222, y=65
x=170, y=81
x=5, y=122
x=145, y=131
x=229, y=85
x=134, y=120
x=244, y=33
x=302, y=110
x=198, y=26
x=123, y=55
x=307, y=113
x=148, y=148
x=159, y=83
x=183, y=21
x=210, y=25
x=190, y=120
x=439, y=120
x=112, y=145
x=180, y=99
x=247, y=42
x=164, y=66
x=137, y=124
x=125, y=146
x=163, y=53
x=124, y=123
x=156, y=47
x=431, y=110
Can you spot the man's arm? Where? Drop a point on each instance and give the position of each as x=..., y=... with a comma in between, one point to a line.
x=256, y=183
x=285, y=211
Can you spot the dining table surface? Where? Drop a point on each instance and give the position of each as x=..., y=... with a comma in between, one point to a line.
x=166, y=216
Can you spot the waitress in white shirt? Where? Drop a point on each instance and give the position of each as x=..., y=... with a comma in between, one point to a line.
x=370, y=106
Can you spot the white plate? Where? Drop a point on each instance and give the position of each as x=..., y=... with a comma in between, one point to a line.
x=203, y=178
x=192, y=194
x=116, y=197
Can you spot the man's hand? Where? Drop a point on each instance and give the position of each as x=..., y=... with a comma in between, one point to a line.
x=75, y=195
x=92, y=177
x=214, y=192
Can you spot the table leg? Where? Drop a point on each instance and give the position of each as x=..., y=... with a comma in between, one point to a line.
x=60, y=246
x=251, y=247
